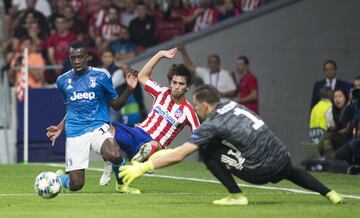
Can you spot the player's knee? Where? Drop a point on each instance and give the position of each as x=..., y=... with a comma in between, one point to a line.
x=116, y=157
x=76, y=184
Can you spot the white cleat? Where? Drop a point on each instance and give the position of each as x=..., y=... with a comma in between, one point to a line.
x=106, y=176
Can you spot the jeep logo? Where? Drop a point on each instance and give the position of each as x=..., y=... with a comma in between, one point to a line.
x=83, y=95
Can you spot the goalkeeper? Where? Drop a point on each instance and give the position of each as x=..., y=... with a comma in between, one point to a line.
x=233, y=141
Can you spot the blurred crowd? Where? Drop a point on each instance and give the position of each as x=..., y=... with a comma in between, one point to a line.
x=335, y=116
x=47, y=27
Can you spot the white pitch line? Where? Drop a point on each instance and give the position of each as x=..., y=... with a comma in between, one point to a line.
x=217, y=182
x=107, y=193
x=150, y=193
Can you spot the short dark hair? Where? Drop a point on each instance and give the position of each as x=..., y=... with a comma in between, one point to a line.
x=141, y=3
x=245, y=59
x=357, y=78
x=330, y=62
x=180, y=70
x=77, y=44
x=108, y=49
x=343, y=92
x=215, y=56
x=325, y=92
x=60, y=16
x=207, y=93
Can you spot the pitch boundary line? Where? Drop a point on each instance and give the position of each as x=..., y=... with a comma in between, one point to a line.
x=293, y=190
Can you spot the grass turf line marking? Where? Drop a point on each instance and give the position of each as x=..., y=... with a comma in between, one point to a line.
x=299, y=191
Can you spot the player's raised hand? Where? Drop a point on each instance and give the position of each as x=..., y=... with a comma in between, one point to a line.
x=53, y=133
x=129, y=173
x=169, y=53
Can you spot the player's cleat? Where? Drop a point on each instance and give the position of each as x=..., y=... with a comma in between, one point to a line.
x=234, y=199
x=63, y=180
x=334, y=197
x=106, y=176
x=122, y=188
x=143, y=154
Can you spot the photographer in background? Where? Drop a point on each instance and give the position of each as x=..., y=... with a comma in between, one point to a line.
x=350, y=151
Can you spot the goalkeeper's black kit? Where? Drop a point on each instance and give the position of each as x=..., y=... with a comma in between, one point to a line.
x=235, y=141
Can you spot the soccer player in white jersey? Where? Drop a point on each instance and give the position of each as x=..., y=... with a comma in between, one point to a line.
x=169, y=114
x=87, y=92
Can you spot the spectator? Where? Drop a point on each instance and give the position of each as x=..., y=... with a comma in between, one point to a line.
x=248, y=5
x=32, y=31
x=42, y=6
x=123, y=46
x=58, y=43
x=80, y=8
x=330, y=80
x=142, y=28
x=333, y=139
x=129, y=14
x=226, y=10
x=75, y=25
x=248, y=91
x=109, y=30
x=212, y=75
x=350, y=151
x=321, y=116
x=134, y=110
x=59, y=10
x=202, y=16
x=99, y=18
x=24, y=18
x=35, y=60
x=108, y=60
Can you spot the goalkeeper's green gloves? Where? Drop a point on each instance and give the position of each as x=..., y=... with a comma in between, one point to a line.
x=129, y=173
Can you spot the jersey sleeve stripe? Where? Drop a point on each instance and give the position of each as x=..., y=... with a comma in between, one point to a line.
x=152, y=88
x=102, y=70
x=192, y=117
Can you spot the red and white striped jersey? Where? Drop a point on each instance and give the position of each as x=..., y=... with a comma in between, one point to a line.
x=248, y=5
x=206, y=19
x=167, y=118
x=109, y=31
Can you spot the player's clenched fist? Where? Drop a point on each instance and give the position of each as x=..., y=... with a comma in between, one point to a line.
x=130, y=172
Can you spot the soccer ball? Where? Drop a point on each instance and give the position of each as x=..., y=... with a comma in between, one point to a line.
x=47, y=185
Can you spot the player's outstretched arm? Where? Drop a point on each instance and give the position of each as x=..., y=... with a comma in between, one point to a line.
x=131, y=81
x=186, y=58
x=130, y=172
x=53, y=132
x=145, y=72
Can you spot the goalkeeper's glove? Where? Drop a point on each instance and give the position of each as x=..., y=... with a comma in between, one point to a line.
x=129, y=173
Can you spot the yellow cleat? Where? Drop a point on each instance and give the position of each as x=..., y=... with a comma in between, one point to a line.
x=122, y=188
x=335, y=198
x=234, y=199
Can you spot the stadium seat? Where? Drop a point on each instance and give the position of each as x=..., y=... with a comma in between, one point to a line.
x=158, y=14
x=167, y=30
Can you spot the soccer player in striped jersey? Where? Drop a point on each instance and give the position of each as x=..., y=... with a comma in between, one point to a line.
x=169, y=114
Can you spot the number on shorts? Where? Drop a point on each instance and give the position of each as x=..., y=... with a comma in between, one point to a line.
x=257, y=122
x=102, y=131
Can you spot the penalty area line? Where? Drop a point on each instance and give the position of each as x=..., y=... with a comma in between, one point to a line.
x=293, y=190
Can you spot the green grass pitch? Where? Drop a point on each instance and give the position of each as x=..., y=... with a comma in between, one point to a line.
x=169, y=197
